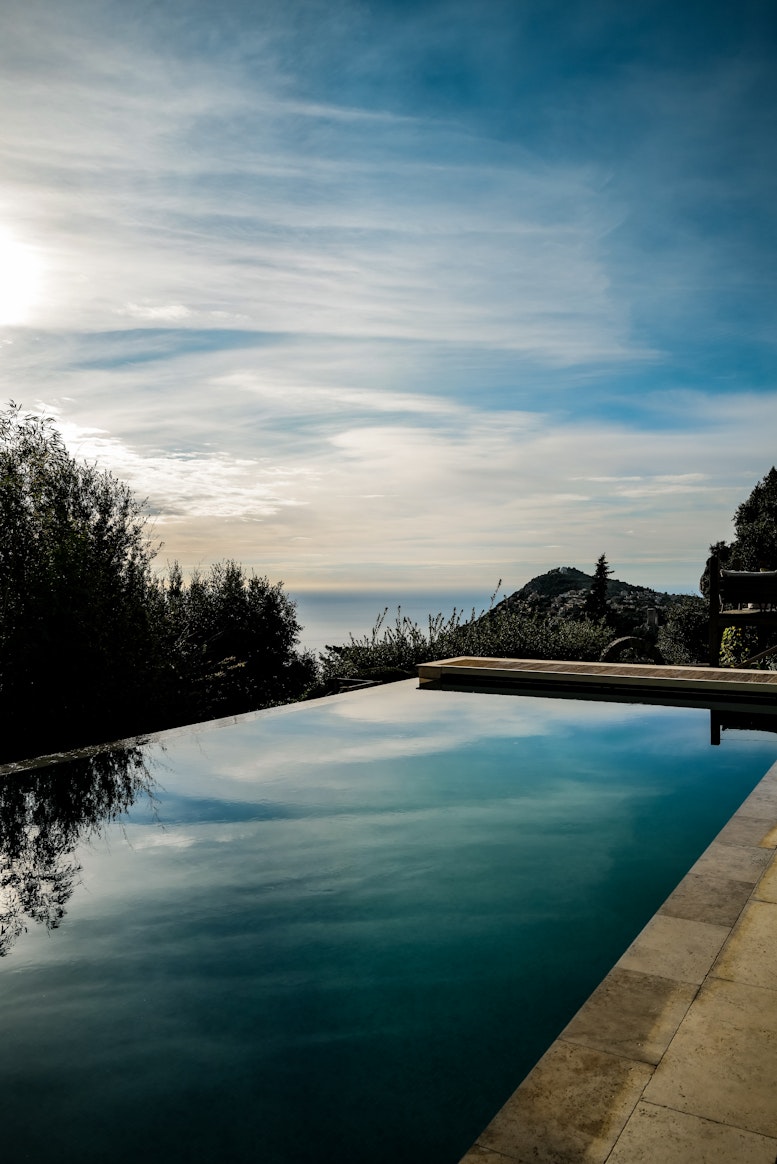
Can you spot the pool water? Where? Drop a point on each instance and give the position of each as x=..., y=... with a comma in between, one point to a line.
x=341, y=931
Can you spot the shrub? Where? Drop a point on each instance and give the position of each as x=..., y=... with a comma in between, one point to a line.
x=737, y=645
x=236, y=639
x=504, y=632
x=683, y=639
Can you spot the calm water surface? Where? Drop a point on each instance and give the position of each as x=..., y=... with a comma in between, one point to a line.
x=336, y=932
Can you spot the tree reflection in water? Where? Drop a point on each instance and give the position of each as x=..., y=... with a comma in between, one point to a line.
x=44, y=814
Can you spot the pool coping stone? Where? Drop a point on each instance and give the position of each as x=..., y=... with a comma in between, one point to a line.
x=673, y=1058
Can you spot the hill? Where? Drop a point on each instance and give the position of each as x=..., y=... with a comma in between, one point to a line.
x=561, y=593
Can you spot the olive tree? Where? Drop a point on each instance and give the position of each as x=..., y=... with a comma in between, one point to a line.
x=236, y=638
x=80, y=613
x=93, y=645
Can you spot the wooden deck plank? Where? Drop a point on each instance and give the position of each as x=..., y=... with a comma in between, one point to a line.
x=550, y=672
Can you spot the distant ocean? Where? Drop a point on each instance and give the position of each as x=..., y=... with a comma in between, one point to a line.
x=329, y=617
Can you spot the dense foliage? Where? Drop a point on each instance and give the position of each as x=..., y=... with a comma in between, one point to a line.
x=234, y=642
x=78, y=608
x=755, y=527
x=683, y=639
x=92, y=644
x=754, y=548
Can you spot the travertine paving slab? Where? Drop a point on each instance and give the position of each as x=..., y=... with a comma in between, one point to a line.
x=755, y=829
x=705, y=897
x=762, y=801
x=631, y=1014
x=722, y=1063
x=739, y=862
x=658, y=1135
x=572, y=1106
x=766, y=890
x=769, y=839
x=675, y=948
x=751, y=951
x=480, y=1155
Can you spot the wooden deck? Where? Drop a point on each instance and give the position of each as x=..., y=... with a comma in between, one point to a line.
x=647, y=681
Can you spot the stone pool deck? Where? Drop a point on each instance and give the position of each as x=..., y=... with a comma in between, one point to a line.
x=673, y=1058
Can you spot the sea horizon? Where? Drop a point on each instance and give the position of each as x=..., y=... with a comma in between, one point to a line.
x=328, y=617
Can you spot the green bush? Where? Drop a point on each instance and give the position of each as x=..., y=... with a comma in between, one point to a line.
x=684, y=637
x=738, y=644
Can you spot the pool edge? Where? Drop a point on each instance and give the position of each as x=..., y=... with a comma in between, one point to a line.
x=672, y=1056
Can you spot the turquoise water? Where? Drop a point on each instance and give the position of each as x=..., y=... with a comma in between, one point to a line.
x=336, y=932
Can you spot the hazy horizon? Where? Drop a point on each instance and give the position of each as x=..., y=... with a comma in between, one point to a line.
x=400, y=296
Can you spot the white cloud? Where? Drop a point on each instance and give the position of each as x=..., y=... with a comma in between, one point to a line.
x=349, y=345
x=165, y=313
x=459, y=497
x=187, y=189
x=144, y=837
x=186, y=485
x=362, y=728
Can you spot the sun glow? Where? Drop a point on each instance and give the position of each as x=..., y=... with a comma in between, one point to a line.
x=20, y=271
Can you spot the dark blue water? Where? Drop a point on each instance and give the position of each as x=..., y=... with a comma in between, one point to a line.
x=337, y=932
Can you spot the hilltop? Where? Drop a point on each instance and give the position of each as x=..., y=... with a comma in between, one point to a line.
x=561, y=593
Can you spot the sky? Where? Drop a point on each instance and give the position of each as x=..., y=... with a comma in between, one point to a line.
x=399, y=294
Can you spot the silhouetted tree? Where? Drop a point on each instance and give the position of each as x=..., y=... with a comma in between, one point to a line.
x=595, y=606
x=236, y=638
x=755, y=525
x=93, y=646
x=80, y=615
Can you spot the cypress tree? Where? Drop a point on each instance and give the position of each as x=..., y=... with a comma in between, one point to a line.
x=596, y=606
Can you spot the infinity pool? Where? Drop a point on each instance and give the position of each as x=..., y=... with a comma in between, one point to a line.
x=341, y=931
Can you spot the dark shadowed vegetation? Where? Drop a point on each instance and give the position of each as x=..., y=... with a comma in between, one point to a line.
x=755, y=530
x=93, y=645
x=596, y=606
x=682, y=640
x=753, y=548
x=234, y=642
x=394, y=650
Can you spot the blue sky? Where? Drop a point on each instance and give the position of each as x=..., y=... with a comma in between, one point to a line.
x=391, y=295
